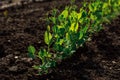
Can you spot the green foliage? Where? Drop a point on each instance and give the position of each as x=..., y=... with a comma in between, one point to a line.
x=72, y=28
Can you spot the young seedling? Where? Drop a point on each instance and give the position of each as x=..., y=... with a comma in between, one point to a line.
x=71, y=29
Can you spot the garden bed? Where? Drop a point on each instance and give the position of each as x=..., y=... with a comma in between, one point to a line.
x=99, y=59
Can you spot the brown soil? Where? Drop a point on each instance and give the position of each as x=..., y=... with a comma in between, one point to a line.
x=99, y=59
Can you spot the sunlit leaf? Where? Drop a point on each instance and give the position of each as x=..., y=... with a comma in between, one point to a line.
x=72, y=27
x=65, y=13
x=105, y=5
x=60, y=27
x=67, y=36
x=91, y=8
x=61, y=41
x=47, y=37
x=76, y=27
x=79, y=15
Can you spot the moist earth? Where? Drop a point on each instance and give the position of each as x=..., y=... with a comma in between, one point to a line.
x=98, y=59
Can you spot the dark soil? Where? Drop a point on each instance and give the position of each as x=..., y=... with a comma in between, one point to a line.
x=99, y=59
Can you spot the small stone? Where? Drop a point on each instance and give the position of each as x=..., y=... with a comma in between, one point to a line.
x=13, y=68
x=9, y=41
x=113, y=62
x=27, y=59
x=103, y=61
x=16, y=57
x=39, y=42
x=110, y=68
x=16, y=52
x=9, y=56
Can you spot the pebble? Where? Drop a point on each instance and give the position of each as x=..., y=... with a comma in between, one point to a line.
x=9, y=41
x=16, y=57
x=13, y=68
x=113, y=62
x=26, y=59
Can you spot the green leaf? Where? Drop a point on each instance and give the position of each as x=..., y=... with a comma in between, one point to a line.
x=85, y=29
x=47, y=37
x=48, y=64
x=61, y=41
x=42, y=53
x=53, y=19
x=81, y=42
x=105, y=5
x=105, y=19
x=59, y=26
x=61, y=31
x=55, y=29
x=53, y=63
x=76, y=27
x=84, y=14
x=72, y=27
x=66, y=52
x=48, y=28
x=81, y=35
x=74, y=14
x=49, y=55
x=58, y=47
x=91, y=8
x=67, y=36
x=81, y=20
x=79, y=15
x=65, y=13
x=93, y=17
x=31, y=51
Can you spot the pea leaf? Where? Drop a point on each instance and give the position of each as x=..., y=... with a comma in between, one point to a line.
x=65, y=13
x=31, y=51
x=47, y=37
x=67, y=36
x=72, y=28
x=48, y=27
x=105, y=5
x=60, y=41
x=55, y=29
x=91, y=7
x=85, y=29
x=93, y=17
x=81, y=35
x=42, y=54
x=53, y=19
x=76, y=27
x=58, y=47
x=79, y=15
